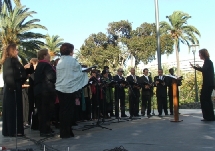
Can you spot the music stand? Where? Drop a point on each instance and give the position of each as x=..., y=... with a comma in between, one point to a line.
x=106, y=84
x=87, y=127
x=117, y=86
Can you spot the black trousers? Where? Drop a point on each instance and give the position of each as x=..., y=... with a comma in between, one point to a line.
x=206, y=103
x=133, y=104
x=87, y=112
x=146, y=104
x=162, y=104
x=94, y=106
x=67, y=108
x=45, y=107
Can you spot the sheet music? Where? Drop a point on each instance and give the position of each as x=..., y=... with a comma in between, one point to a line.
x=86, y=69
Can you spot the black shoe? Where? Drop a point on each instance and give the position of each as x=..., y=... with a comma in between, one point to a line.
x=46, y=134
x=166, y=114
x=159, y=114
x=112, y=115
x=149, y=115
x=171, y=113
x=208, y=120
x=74, y=124
x=21, y=135
x=124, y=115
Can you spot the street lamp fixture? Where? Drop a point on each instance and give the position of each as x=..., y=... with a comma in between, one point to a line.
x=193, y=48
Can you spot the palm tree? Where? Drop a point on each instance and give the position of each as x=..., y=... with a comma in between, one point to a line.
x=9, y=4
x=180, y=32
x=15, y=29
x=53, y=43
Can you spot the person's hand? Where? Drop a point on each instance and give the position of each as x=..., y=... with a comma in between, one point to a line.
x=146, y=86
x=157, y=82
x=191, y=65
x=163, y=83
x=27, y=66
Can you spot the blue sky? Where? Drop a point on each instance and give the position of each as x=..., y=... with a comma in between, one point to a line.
x=75, y=20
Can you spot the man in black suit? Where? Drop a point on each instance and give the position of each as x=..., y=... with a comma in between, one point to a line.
x=161, y=92
x=119, y=93
x=170, y=92
x=147, y=88
x=134, y=93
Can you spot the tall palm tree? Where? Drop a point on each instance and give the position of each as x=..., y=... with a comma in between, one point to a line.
x=15, y=29
x=52, y=43
x=180, y=32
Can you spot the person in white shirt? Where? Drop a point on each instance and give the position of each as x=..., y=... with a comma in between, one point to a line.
x=70, y=79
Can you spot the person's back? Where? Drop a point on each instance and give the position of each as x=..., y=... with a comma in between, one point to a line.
x=208, y=73
x=44, y=78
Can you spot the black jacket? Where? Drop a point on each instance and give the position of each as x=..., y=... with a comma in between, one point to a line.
x=143, y=81
x=44, y=78
x=130, y=80
x=118, y=89
x=14, y=72
x=207, y=73
x=161, y=90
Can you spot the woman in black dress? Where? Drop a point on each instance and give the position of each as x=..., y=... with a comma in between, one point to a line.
x=14, y=75
x=207, y=85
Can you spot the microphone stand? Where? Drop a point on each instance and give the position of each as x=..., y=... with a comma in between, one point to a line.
x=97, y=124
x=104, y=105
x=130, y=88
x=117, y=87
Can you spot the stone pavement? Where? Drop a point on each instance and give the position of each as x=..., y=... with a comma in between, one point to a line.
x=145, y=134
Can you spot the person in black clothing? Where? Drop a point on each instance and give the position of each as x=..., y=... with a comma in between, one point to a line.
x=170, y=92
x=161, y=92
x=207, y=85
x=147, y=92
x=32, y=116
x=134, y=93
x=44, y=92
x=14, y=75
x=111, y=101
x=119, y=93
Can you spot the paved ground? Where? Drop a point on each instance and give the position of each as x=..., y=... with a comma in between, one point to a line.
x=153, y=134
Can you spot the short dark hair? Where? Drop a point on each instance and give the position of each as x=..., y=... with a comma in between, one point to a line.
x=145, y=69
x=106, y=67
x=66, y=49
x=171, y=69
x=42, y=53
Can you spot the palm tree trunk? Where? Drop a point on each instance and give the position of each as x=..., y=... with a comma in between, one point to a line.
x=177, y=59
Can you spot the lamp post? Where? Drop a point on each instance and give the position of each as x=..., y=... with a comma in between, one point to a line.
x=158, y=34
x=193, y=47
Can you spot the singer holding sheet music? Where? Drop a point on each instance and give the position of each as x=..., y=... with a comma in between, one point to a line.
x=207, y=85
x=119, y=93
x=134, y=93
x=70, y=79
x=161, y=92
x=147, y=92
